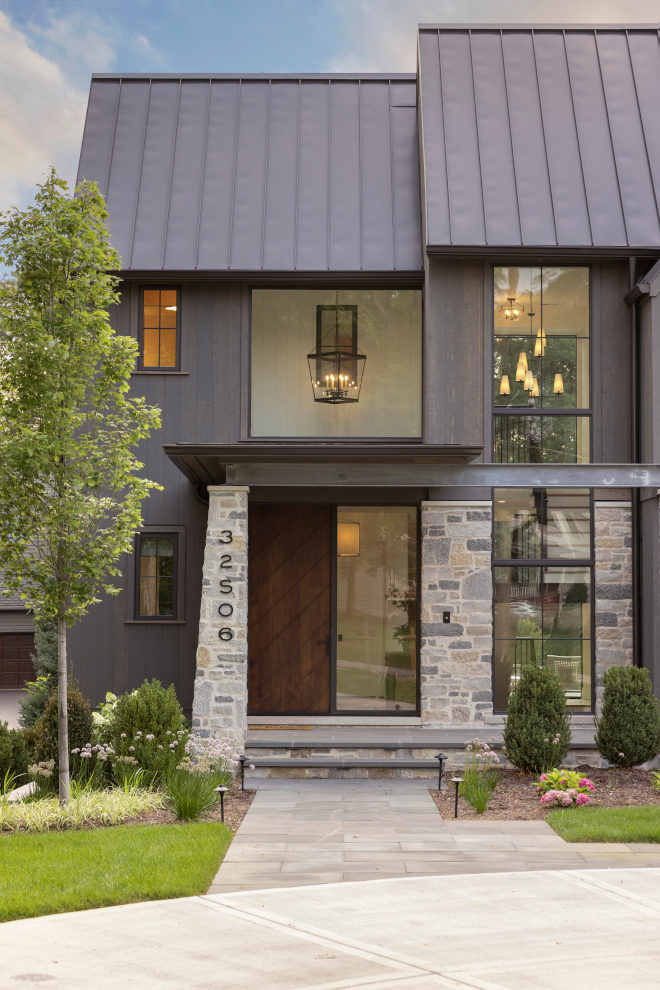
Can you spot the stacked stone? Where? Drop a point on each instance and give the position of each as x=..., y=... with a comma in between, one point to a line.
x=613, y=590
x=456, y=685
x=220, y=699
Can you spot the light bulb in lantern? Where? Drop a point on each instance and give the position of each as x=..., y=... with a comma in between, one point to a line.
x=559, y=385
x=505, y=388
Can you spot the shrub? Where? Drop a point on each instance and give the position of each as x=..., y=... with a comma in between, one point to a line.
x=45, y=666
x=13, y=755
x=537, y=736
x=80, y=727
x=628, y=731
x=564, y=788
x=148, y=725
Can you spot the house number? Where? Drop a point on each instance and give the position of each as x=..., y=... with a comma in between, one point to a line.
x=226, y=610
x=228, y=534
x=226, y=633
x=225, y=561
x=225, y=586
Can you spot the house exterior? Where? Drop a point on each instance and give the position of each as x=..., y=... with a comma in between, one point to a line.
x=404, y=331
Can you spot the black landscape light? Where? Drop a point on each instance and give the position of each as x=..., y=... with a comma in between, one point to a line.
x=222, y=791
x=441, y=758
x=458, y=781
x=242, y=759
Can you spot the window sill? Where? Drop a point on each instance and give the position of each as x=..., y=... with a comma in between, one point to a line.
x=159, y=373
x=154, y=622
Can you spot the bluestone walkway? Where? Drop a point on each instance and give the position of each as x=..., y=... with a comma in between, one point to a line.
x=300, y=832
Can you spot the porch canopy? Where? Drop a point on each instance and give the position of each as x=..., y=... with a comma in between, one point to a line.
x=393, y=465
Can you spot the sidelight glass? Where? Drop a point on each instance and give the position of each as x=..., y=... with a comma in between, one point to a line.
x=377, y=619
x=159, y=328
x=380, y=331
x=156, y=576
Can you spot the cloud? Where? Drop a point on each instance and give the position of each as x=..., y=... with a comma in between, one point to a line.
x=42, y=116
x=382, y=33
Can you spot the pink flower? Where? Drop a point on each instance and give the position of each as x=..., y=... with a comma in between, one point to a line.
x=252, y=766
x=621, y=754
x=544, y=776
x=582, y=799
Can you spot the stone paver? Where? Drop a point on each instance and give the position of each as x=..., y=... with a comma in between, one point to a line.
x=300, y=832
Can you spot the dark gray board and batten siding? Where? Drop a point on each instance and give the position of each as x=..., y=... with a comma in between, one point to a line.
x=258, y=174
x=540, y=137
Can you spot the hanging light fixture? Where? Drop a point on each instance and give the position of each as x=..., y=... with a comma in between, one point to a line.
x=535, y=388
x=529, y=382
x=559, y=385
x=512, y=310
x=336, y=367
x=539, y=345
x=522, y=368
x=505, y=388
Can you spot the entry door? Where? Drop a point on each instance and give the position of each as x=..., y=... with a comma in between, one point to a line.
x=290, y=576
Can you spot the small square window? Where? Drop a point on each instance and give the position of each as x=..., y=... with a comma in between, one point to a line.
x=159, y=329
x=156, y=560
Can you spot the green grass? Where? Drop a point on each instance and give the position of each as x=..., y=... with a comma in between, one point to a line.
x=52, y=872
x=593, y=824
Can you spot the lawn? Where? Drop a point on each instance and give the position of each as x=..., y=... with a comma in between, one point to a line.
x=52, y=872
x=593, y=824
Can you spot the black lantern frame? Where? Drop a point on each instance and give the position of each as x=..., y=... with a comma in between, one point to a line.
x=336, y=367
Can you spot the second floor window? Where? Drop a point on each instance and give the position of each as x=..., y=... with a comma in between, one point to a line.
x=159, y=329
x=541, y=365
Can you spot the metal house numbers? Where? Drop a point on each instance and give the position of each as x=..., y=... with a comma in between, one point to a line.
x=226, y=608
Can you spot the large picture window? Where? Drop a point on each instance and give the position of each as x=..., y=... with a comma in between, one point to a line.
x=541, y=365
x=543, y=601
x=336, y=363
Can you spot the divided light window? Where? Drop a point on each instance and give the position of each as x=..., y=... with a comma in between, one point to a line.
x=159, y=329
x=543, y=580
x=156, y=577
x=541, y=365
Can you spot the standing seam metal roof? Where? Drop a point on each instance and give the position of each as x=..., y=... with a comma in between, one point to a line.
x=540, y=136
x=249, y=173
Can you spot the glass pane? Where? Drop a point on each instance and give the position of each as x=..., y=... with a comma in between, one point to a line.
x=150, y=356
x=568, y=524
x=518, y=603
x=518, y=440
x=152, y=297
x=167, y=317
x=566, y=301
x=514, y=357
x=532, y=439
x=566, y=603
x=156, y=575
x=559, y=386
x=167, y=348
x=389, y=334
x=147, y=596
x=165, y=595
x=151, y=316
x=517, y=300
x=377, y=609
x=168, y=297
x=148, y=547
x=518, y=514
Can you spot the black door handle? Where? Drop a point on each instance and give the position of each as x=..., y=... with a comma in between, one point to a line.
x=327, y=644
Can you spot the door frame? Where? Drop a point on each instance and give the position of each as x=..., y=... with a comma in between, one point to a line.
x=368, y=713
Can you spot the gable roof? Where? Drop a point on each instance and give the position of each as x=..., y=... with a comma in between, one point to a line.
x=540, y=136
x=249, y=173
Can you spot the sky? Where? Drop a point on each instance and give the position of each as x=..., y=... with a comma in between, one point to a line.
x=49, y=49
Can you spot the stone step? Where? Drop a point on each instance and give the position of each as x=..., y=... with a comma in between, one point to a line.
x=319, y=762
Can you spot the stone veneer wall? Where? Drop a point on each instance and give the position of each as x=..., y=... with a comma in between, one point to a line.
x=220, y=699
x=456, y=658
x=613, y=591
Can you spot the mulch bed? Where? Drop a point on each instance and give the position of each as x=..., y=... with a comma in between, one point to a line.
x=237, y=803
x=515, y=797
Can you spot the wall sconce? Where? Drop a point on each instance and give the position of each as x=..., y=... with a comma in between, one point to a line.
x=505, y=388
x=336, y=367
x=348, y=539
x=559, y=385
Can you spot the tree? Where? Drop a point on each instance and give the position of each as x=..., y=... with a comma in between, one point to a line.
x=628, y=731
x=537, y=735
x=70, y=488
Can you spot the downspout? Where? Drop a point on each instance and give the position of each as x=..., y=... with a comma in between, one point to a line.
x=635, y=455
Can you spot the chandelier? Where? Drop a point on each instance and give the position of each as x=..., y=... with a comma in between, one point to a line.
x=336, y=367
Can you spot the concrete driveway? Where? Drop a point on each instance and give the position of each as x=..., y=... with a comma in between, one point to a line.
x=506, y=931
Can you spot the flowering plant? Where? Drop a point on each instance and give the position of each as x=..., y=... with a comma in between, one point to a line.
x=564, y=788
x=156, y=755
x=90, y=765
x=480, y=778
x=213, y=756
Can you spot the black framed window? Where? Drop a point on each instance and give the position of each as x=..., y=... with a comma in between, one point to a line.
x=541, y=365
x=159, y=329
x=543, y=589
x=156, y=578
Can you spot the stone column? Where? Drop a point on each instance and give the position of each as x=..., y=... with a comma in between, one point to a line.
x=456, y=657
x=220, y=699
x=613, y=588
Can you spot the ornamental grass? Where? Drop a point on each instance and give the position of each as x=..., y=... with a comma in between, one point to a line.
x=88, y=808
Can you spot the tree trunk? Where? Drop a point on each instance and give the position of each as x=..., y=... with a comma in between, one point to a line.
x=62, y=714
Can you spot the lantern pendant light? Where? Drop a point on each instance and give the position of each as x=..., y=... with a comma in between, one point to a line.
x=522, y=368
x=511, y=310
x=505, y=388
x=336, y=367
x=535, y=388
x=559, y=385
x=529, y=382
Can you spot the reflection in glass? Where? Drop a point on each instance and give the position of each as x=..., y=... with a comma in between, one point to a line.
x=156, y=592
x=543, y=615
x=517, y=523
x=542, y=523
x=541, y=439
x=377, y=608
x=284, y=332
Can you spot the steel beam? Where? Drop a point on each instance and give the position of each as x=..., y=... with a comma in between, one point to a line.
x=447, y=475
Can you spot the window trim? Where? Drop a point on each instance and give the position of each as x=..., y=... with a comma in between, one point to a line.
x=179, y=534
x=157, y=369
x=551, y=562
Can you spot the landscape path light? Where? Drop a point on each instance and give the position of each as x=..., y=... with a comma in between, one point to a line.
x=222, y=791
x=457, y=781
x=441, y=758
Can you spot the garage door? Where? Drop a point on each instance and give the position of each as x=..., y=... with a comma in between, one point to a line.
x=15, y=665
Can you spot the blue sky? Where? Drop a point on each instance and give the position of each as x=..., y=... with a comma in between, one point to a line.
x=49, y=48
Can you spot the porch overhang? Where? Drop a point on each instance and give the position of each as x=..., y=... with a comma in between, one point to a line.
x=378, y=465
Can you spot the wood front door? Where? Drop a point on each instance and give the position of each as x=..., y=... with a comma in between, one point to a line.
x=290, y=601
